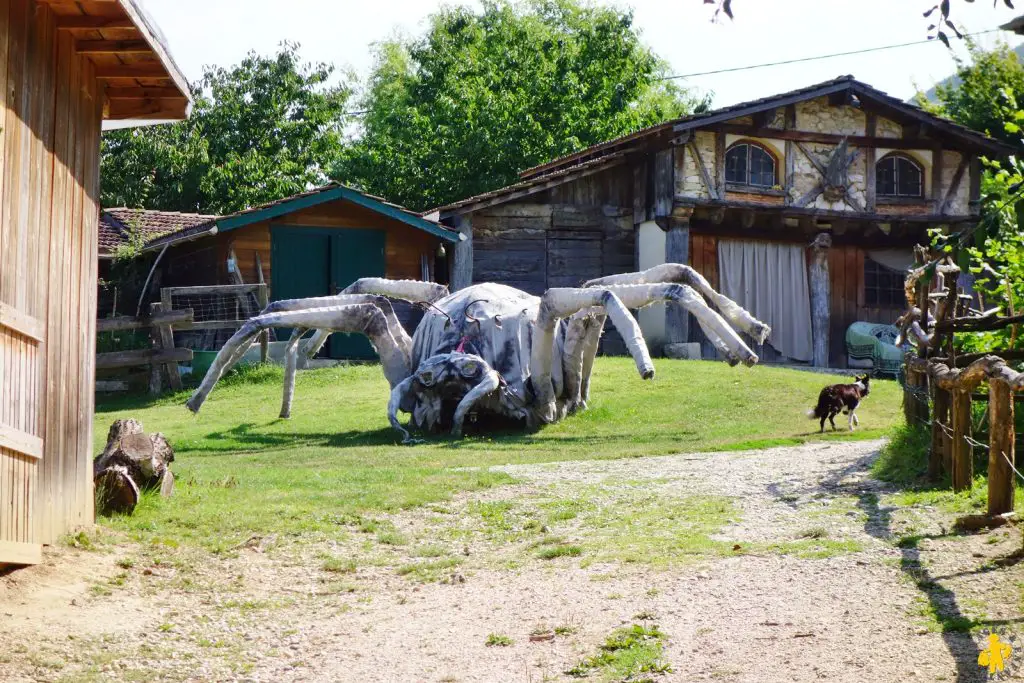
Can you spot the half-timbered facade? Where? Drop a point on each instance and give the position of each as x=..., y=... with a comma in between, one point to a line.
x=803, y=207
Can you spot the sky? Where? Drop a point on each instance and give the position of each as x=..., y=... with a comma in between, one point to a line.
x=343, y=32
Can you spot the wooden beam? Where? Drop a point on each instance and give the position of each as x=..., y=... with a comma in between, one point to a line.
x=146, y=109
x=141, y=70
x=705, y=176
x=677, y=250
x=870, y=179
x=747, y=218
x=937, y=179
x=720, y=163
x=819, y=285
x=15, y=552
x=963, y=455
x=826, y=138
x=1001, y=443
x=21, y=442
x=640, y=191
x=127, y=359
x=82, y=21
x=664, y=182
x=954, y=184
x=142, y=93
x=23, y=324
x=113, y=47
x=813, y=159
x=125, y=322
x=462, y=254
x=789, y=124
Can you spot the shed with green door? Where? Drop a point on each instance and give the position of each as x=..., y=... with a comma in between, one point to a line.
x=311, y=244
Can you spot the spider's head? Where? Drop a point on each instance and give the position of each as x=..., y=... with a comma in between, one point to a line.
x=439, y=384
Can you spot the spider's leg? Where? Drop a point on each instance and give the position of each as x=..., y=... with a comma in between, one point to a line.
x=717, y=330
x=291, y=358
x=562, y=302
x=581, y=340
x=410, y=290
x=684, y=274
x=365, y=318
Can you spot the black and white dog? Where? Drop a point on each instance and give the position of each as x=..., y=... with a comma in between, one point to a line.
x=841, y=398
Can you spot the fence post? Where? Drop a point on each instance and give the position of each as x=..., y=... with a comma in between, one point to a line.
x=939, y=457
x=963, y=461
x=1001, y=435
x=163, y=337
x=262, y=297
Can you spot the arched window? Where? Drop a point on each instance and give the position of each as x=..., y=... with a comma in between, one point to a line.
x=897, y=175
x=748, y=163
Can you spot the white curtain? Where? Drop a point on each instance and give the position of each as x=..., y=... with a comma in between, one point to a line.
x=770, y=280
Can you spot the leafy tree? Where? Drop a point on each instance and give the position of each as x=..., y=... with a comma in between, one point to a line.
x=977, y=97
x=264, y=129
x=484, y=95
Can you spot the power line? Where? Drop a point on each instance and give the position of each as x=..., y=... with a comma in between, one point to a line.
x=811, y=59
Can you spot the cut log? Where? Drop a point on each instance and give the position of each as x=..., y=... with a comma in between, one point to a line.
x=132, y=461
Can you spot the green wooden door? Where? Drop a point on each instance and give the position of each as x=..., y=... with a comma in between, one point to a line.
x=354, y=254
x=309, y=262
x=300, y=265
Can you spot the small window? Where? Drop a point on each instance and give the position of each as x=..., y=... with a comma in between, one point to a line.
x=747, y=163
x=899, y=176
x=883, y=287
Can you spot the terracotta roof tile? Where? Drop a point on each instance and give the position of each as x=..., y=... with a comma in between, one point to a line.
x=116, y=225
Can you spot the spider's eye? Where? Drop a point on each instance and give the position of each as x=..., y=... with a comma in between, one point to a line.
x=470, y=369
x=426, y=377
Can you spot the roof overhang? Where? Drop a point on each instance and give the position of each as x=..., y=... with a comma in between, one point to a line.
x=330, y=194
x=142, y=85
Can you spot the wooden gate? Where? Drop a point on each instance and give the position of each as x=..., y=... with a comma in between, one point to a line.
x=21, y=447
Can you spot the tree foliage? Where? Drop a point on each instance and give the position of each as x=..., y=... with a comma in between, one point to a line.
x=261, y=130
x=977, y=98
x=484, y=95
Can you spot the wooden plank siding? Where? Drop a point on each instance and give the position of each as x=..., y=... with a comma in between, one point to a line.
x=204, y=261
x=50, y=115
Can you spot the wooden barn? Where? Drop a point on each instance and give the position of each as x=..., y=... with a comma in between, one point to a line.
x=740, y=193
x=312, y=244
x=67, y=67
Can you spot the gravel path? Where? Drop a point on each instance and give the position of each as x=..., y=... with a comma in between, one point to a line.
x=760, y=616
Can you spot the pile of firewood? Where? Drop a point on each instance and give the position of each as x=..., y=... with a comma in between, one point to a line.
x=132, y=461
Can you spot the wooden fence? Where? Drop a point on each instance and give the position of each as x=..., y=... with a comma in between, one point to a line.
x=952, y=442
x=935, y=313
x=220, y=307
x=163, y=354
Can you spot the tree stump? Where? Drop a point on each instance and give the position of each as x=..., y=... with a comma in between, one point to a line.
x=132, y=461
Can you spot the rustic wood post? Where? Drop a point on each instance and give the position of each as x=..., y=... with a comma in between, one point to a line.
x=1001, y=435
x=820, y=291
x=263, y=298
x=963, y=460
x=163, y=339
x=462, y=255
x=677, y=250
x=939, y=457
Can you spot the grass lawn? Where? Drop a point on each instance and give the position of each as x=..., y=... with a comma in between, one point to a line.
x=336, y=462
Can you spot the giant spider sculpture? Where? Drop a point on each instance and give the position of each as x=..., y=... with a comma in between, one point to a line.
x=491, y=349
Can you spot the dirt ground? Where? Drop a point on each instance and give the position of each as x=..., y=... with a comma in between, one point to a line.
x=811, y=577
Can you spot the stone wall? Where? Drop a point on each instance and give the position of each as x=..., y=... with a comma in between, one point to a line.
x=960, y=202
x=819, y=116
x=688, y=176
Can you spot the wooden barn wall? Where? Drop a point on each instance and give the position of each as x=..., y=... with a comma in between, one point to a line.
x=204, y=261
x=558, y=238
x=50, y=114
x=846, y=273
